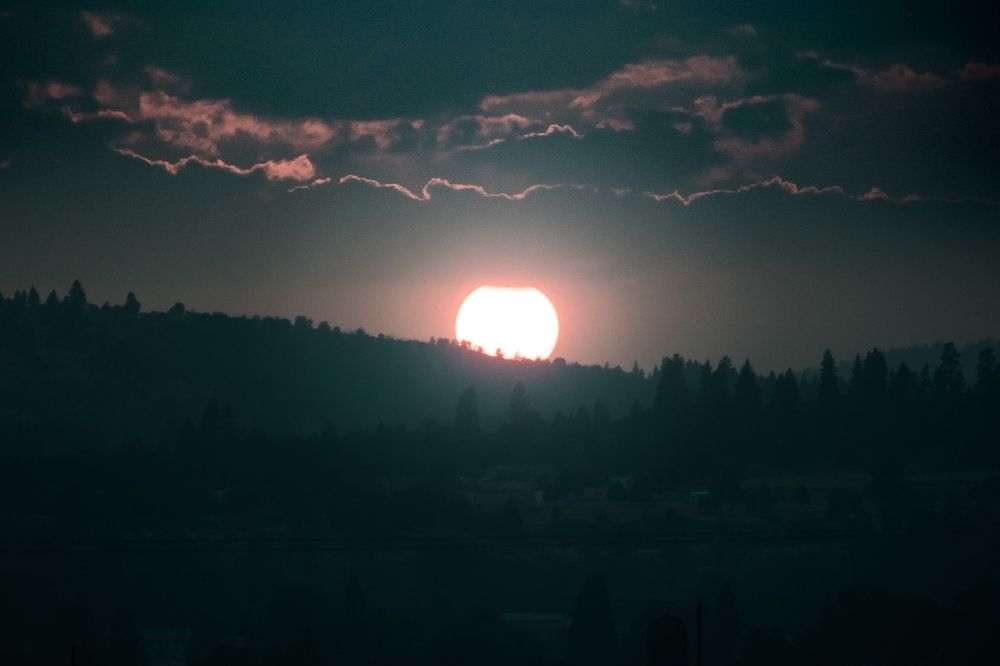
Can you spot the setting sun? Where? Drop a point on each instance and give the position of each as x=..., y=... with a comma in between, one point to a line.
x=517, y=321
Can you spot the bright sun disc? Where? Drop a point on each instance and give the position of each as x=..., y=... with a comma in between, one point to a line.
x=519, y=321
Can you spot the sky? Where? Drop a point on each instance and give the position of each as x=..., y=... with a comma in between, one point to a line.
x=763, y=180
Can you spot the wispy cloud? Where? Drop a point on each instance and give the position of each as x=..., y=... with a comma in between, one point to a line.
x=778, y=182
x=382, y=133
x=425, y=191
x=638, y=4
x=317, y=182
x=976, y=71
x=203, y=124
x=100, y=114
x=773, y=183
x=554, y=129
x=100, y=24
x=300, y=168
x=39, y=92
x=895, y=78
x=793, y=189
x=744, y=30
x=633, y=78
x=747, y=150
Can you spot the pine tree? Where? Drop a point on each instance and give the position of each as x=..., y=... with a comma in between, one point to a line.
x=746, y=392
x=829, y=382
x=77, y=297
x=948, y=384
x=467, y=413
x=671, y=399
x=132, y=305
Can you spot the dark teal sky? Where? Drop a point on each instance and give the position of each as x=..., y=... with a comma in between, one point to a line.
x=759, y=180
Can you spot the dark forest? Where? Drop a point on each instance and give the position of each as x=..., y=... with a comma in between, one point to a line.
x=225, y=490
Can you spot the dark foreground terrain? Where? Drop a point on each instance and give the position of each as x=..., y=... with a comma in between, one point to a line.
x=189, y=488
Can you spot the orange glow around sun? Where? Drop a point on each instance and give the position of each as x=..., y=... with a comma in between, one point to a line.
x=518, y=321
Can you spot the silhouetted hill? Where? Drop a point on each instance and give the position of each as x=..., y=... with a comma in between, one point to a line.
x=69, y=363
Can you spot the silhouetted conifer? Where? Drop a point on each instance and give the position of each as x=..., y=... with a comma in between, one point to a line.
x=829, y=382
x=856, y=383
x=467, y=413
x=746, y=392
x=785, y=400
x=874, y=378
x=903, y=386
x=987, y=374
x=132, y=305
x=948, y=383
x=76, y=298
x=519, y=409
x=671, y=400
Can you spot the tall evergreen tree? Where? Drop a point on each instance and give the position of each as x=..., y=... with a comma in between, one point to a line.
x=77, y=297
x=746, y=393
x=948, y=384
x=467, y=413
x=132, y=305
x=829, y=382
x=785, y=400
x=986, y=375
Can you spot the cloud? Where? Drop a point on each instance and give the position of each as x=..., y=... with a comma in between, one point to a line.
x=425, y=191
x=744, y=150
x=466, y=129
x=203, y=124
x=793, y=189
x=744, y=30
x=977, y=71
x=41, y=92
x=553, y=129
x=873, y=194
x=101, y=114
x=318, y=182
x=382, y=133
x=164, y=78
x=100, y=24
x=299, y=169
x=657, y=73
x=895, y=78
x=773, y=183
x=778, y=182
x=633, y=78
x=638, y=4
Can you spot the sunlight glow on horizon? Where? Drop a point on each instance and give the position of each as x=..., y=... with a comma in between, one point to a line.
x=518, y=321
